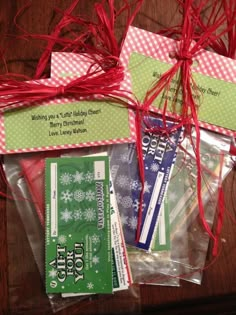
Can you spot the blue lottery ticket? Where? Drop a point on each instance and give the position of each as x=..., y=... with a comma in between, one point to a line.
x=159, y=152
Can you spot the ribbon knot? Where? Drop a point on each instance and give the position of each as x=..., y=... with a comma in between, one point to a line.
x=60, y=90
x=184, y=56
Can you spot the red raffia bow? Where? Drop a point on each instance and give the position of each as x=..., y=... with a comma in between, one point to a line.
x=93, y=83
x=105, y=81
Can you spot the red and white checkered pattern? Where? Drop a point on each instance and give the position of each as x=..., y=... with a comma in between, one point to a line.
x=159, y=47
x=74, y=64
x=63, y=65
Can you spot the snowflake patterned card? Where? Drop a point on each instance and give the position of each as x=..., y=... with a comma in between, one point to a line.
x=121, y=158
x=159, y=153
x=121, y=274
x=78, y=231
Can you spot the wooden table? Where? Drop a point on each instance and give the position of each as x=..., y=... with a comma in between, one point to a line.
x=24, y=294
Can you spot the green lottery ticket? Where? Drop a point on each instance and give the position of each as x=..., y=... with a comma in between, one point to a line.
x=121, y=274
x=78, y=232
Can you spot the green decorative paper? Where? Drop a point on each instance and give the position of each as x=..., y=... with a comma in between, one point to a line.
x=69, y=123
x=216, y=98
x=78, y=232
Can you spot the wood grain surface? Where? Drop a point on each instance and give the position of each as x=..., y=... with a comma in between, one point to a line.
x=21, y=287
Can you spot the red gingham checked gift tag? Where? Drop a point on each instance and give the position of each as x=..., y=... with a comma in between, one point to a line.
x=146, y=56
x=64, y=123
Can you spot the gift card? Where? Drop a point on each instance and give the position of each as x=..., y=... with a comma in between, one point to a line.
x=121, y=275
x=33, y=169
x=78, y=230
x=159, y=152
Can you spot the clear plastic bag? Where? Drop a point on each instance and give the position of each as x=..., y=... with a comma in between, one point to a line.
x=188, y=240
x=146, y=267
x=26, y=225
x=33, y=230
x=153, y=268
x=188, y=237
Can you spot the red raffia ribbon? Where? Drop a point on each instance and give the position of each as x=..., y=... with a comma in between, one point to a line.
x=138, y=125
x=226, y=45
x=90, y=86
x=205, y=13
x=47, y=52
x=185, y=54
x=96, y=36
x=232, y=150
x=105, y=81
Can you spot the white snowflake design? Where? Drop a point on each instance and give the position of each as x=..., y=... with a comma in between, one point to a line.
x=136, y=204
x=146, y=187
x=62, y=239
x=118, y=198
x=95, y=239
x=132, y=223
x=135, y=184
x=123, y=181
x=78, y=215
x=95, y=260
x=52, y=273
x=127, y=202
x=89, y=214
x=124, y=219
x=90, y=195
x=65, y=179
x=66, y=196
x=173, y=139
x=79, y=195
x=89, y=177
x=90, y=285
x=154, y=167
x=66, y=215
x=78, y=177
